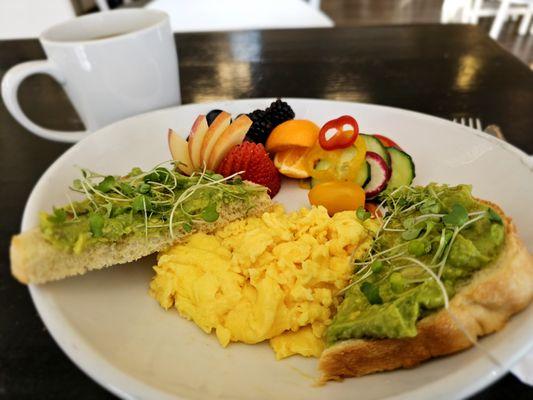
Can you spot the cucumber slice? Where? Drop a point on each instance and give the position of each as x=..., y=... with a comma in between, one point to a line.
x=373, y=144
x=402, y=168
x=364, y=175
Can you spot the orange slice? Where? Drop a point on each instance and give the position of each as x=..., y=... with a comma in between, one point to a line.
x=292, y=133
x=291, y=162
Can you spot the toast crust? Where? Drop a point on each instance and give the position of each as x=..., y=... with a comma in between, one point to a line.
x=481, y=307
x=34, y=260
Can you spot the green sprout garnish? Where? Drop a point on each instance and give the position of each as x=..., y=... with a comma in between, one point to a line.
x=371, y=292
x=427, y=230
x=362, y=214
x=210, y=213
x=457, y=217
x=107, y=184
x=376, y=266
x=153, y=201
x=494, y=217
x=96, y=224
x=430, y=242
x=59, y=215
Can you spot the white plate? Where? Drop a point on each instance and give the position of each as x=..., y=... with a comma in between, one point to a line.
x=109, y=326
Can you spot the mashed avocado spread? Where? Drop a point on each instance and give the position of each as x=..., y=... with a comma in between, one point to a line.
x=427, y=232
x=141, y=203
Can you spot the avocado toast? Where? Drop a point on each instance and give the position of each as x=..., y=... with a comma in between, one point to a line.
x=445, y=269
x=121, y=219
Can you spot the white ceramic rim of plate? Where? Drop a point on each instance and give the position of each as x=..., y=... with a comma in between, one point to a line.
x=113, y=379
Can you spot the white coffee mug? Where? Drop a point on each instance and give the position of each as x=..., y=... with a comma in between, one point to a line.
x=111, y=64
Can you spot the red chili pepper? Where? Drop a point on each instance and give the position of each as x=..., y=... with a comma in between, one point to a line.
x=385, y=141
x=342, y=138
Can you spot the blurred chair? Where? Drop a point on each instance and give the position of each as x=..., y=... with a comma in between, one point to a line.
x=481, y=9
x=28, y=18
x=469, y=11
x=224, y=15
x=455, y=11
x=526, y=21
x=507, y=8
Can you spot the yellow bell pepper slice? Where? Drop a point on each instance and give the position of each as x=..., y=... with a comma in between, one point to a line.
x=336, y=165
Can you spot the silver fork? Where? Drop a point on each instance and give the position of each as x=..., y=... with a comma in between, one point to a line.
x=475, y=123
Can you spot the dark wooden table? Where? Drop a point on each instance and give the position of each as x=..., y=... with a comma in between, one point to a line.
x=448, y=71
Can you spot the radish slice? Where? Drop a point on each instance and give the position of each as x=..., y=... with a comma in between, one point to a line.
x=379, y=175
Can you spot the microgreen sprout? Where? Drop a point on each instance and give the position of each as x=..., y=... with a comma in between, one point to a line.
x=371, y=292
x=412, y=214
x=412, y=246
x=362, y=214
x=457, y=217
x=71, y=205
x=153, y=200
x=494, y=217
x=437, y=280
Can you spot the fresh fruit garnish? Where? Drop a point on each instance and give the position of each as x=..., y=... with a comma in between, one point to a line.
x=338, y=133
x=196, y=139
x=337, y=196
x=336, y=165
x=179, y=150
x=279, y=112
x=253, y=159
x=266, y=120
x=379, y=173
x=386, y=141
x=211, y=116
x=292, y=133
x=291, y=162
x=261, y=127
x=215, y=131
x=232, y=136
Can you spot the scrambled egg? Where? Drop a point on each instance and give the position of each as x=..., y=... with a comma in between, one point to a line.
x=271, y=277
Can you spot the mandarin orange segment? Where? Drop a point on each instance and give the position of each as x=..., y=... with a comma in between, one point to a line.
x=292, y=133
x=291, y=162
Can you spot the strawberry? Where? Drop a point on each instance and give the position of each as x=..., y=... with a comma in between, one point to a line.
x=246, y=155
x=253, y=159
x=226, y=165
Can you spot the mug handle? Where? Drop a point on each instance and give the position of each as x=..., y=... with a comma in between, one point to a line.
x=10, y=84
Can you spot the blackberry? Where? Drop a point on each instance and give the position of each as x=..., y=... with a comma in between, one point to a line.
x=261, y=127
x=264, y=121
x=211, y=116
x=278, y=112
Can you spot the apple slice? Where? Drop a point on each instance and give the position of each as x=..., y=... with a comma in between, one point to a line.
x=232, y=136
x=196, y=138
x=180, y=152
x=216, y=129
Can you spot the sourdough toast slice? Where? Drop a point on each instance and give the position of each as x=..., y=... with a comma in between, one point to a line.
x=481, y=307
x=34, y=260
